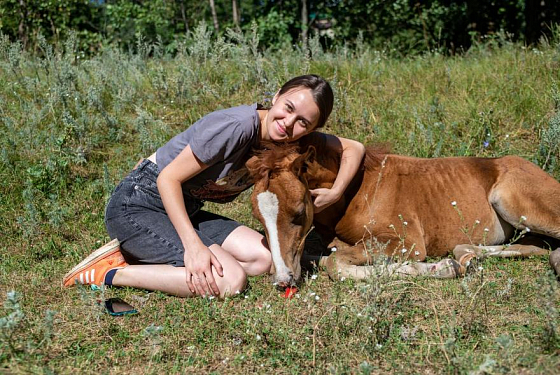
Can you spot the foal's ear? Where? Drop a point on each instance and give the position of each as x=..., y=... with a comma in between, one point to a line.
x=303, y=161
x=258, y=172
x=252, y=165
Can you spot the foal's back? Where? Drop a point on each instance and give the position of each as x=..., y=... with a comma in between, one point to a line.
x=439, y=203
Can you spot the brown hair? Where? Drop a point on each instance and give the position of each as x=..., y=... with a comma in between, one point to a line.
x=320, y=90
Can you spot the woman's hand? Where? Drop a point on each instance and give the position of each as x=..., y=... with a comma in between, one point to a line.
x=351, y=155
x=323, y=198
x=199, y=261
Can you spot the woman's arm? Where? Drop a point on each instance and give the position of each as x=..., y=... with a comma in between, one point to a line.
x=352, y=153
x=199, y=259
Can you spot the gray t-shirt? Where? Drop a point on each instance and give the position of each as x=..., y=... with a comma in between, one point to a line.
x=222, y=140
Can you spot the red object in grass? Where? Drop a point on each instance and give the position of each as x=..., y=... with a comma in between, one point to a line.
x=290, y=292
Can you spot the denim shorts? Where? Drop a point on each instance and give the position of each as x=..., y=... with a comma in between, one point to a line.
x=136, y=217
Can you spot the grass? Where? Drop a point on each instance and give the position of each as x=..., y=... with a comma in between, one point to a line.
x=73, y=126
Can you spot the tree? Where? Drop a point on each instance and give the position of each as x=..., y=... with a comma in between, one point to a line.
x=304, y=22
x=214, y=15
x=235, y=11
x=184, y=16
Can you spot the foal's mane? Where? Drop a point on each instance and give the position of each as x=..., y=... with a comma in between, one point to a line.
x=270, y=157
x=375, y=154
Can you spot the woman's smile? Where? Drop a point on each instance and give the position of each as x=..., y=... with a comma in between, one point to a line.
x=281, y=129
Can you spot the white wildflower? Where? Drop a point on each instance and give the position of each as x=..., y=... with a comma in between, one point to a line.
x=453, y=203
x=523, y=218
x=480, y=268
x=486, y=230
x=527, y=230
x=317, y=298
x=405, y=223
x=416, y=253
x=258, y=337
x=477, y=222
x=313, y=277
x=334, y=249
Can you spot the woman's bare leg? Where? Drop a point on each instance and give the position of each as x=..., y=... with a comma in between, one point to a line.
x=249, y=248
x=171, y=280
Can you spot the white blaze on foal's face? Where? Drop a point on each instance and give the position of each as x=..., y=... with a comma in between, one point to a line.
x=268, y=207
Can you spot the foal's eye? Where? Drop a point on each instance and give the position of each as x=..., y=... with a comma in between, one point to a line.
x=299, y=218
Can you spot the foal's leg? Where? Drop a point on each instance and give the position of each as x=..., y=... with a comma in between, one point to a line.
x=554, y=260
x=465, y=253
x=527, y=197
x=355, y=262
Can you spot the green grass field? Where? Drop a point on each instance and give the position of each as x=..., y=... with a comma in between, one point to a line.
x=72, y=126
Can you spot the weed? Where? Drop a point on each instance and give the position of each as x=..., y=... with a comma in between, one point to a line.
x=549, y=145
x=11, y=322
x=551, y=330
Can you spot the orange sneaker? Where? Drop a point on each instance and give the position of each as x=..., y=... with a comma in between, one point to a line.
x=92, y=270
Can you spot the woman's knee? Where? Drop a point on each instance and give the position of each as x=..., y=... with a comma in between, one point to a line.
x=249, y=248
x=262, y=262
x=235, y=280
x=234, y=276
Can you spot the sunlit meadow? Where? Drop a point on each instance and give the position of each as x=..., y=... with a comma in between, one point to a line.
x=73, y=125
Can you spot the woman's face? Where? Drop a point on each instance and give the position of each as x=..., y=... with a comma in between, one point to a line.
x=292, y=115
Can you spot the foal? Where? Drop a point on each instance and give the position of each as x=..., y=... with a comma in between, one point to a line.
x=403, y=206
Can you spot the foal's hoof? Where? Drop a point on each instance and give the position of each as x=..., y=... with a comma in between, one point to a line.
x=466, y=262
x=448, y=269
x=554, y=260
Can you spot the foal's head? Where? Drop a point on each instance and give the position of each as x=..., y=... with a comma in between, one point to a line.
x=282, y=203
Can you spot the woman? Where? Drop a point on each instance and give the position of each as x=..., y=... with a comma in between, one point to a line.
x=170, y=244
